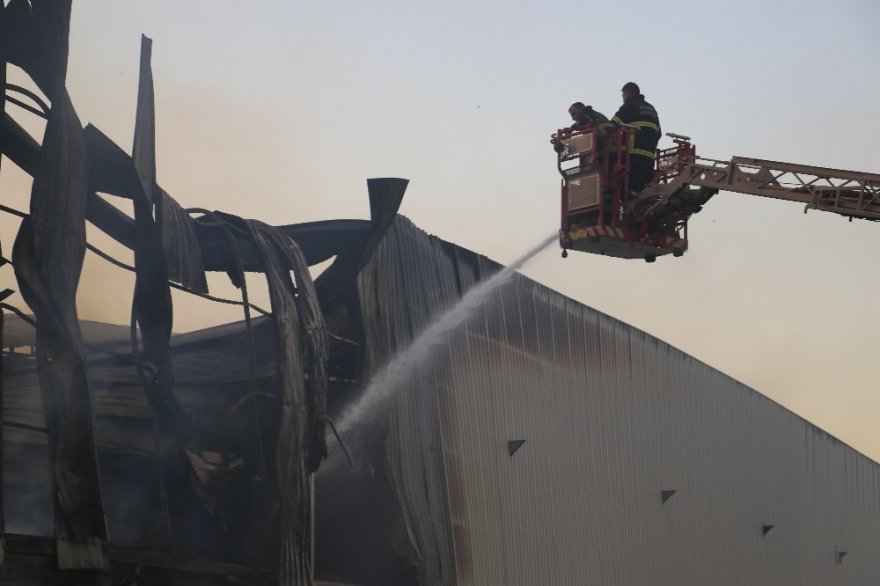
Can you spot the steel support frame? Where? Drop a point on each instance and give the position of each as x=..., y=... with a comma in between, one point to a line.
x=847, y=193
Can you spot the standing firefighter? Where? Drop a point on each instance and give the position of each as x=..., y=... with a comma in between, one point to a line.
x=635, y=111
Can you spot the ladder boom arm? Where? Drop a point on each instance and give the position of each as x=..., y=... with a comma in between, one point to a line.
x=848, y=193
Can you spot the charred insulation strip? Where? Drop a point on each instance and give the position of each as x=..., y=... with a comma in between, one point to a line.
x=48, y=256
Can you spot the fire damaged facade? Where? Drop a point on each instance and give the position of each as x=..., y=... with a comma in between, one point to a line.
x=543, y=443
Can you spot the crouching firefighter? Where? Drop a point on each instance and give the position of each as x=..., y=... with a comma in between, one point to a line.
x=584, y=116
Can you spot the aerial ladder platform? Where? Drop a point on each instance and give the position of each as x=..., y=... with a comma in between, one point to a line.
x=600, y=215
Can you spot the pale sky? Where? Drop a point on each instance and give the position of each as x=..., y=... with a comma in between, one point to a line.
x=280, y=111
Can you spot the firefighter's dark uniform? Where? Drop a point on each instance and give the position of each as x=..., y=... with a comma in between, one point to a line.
x=643, y=148
x=599, y=121
x=603, y=126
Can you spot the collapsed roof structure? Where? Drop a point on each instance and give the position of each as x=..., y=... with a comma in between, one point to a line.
x=544, y=443
x=83, y=444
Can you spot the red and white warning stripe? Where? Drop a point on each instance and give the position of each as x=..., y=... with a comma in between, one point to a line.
x=614, y=232
x=605, y=231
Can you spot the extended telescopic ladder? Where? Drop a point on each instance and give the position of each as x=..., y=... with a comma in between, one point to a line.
x=848, y=193
x=685, y=181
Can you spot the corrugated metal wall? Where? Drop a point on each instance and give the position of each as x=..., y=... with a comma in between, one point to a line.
x=611, y=417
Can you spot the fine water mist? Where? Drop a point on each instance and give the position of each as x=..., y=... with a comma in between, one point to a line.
x=410, y=358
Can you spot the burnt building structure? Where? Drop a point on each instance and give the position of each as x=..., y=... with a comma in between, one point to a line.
x=542, y=443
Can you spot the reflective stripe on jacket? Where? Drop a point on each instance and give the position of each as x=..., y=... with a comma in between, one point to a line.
x=598, y=120
x=639, y=113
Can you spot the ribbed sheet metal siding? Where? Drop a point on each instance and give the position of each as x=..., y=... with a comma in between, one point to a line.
x=407, y=281
x=612, y=417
